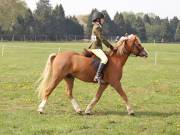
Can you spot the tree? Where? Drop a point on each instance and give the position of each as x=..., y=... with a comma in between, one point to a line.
x=173, y=25
x=120, y=24
x=25, y=24
x=140, y=29
x=146, y=19
x=1, y=31
x=153, y=32
x=130, y=17
x=130, y=21
x=165, y=32
x=43, y=16
x=74, y=28
x=43, y=10
x=9, y=10
x=177, y=36
x=58, y=21
x=59, y=11
x=156, y=20
x=109, y=26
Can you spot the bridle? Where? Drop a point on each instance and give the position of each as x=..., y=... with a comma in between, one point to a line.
x=130, y=50
x=138, y=47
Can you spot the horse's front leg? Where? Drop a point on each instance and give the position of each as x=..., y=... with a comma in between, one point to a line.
x=121, y=92
x=94, y=101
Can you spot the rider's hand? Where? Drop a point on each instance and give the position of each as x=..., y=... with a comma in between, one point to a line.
x=111, y=47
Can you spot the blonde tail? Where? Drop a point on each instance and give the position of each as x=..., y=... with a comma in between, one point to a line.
x=46, y=76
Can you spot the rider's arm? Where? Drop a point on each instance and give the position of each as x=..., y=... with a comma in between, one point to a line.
x=99, y=34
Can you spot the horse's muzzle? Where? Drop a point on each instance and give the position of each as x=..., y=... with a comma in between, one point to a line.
x=143, y=53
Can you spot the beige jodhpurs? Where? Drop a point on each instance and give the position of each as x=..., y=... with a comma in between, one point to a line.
x=100, y=54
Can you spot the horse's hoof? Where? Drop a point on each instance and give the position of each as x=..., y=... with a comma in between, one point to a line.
x=131, y=113
x=80, y=112
x=88, y=113
x=40, y=110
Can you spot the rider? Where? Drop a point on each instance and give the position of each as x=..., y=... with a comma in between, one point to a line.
x=96, y=46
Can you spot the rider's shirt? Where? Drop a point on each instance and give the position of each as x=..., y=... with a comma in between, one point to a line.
x=97, y=37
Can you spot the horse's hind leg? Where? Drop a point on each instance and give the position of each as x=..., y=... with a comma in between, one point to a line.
x=52, y=85
x=69, y=87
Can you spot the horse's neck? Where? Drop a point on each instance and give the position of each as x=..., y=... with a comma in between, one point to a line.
x=120, y=60
x=124, y=59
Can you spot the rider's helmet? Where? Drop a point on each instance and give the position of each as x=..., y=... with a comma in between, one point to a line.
x=97, y=15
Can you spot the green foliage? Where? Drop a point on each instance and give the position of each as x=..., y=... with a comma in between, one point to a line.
x=53, y=23
x=153, y=32
x=173, y=26
x=120, y=24
x=140, y=28
x=165, y=31
x=109, y=26
x=177, y=36
x=9, y=11
x=25, y=24
x=17, y=19
x=43, y=10
x=146, y=19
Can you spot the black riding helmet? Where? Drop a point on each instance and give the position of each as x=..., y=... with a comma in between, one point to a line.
x=97, y=15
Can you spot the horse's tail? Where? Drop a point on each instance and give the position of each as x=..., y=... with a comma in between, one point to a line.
x=46, y=76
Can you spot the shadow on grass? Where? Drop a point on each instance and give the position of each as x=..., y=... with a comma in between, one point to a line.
x=139, y=114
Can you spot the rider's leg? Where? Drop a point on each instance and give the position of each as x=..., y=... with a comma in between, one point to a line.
x=100, y=54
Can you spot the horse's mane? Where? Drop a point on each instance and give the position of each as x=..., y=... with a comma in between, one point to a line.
x=120, y=48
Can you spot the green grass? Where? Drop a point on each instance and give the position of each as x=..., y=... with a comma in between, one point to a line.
x=153, y=90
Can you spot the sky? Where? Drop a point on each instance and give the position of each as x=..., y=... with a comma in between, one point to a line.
x=162, y=8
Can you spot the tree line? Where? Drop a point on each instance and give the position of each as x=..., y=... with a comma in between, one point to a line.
x=17, y=19
x=45, y=20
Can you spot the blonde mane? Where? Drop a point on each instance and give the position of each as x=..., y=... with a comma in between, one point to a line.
x=120, y=45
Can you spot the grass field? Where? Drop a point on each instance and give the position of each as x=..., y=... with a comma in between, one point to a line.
x=153, y=90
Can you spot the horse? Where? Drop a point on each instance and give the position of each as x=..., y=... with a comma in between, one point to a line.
x=70, y=65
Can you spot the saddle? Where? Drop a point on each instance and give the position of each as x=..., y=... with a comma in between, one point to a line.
x=95, y=60
x=87, y=53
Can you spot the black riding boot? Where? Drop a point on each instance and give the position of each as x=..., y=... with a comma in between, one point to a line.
x=98, y=76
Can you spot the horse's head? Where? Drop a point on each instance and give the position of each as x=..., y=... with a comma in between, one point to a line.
x=131, y=45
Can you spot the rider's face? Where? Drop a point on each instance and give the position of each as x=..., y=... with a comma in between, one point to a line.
x=102, y=20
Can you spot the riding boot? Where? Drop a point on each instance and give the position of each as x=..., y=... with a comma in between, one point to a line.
x=98, y=76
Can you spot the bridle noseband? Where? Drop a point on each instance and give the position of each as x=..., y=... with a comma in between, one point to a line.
x=137, y=46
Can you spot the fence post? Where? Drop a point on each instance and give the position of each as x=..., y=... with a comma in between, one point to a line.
x=155, y=58
x=13, y=37
x=2, y=50
x=58, y=50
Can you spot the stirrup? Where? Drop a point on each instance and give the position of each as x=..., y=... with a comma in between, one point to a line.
x=99, y=80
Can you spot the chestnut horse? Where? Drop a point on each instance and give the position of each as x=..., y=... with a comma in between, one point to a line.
x=71, y=65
